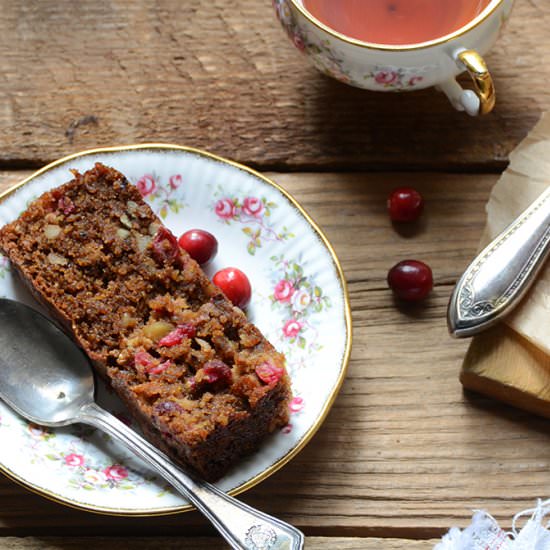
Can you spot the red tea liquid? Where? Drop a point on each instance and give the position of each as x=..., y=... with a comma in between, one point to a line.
x=395, y=21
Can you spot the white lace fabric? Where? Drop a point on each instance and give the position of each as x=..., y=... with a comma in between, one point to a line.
x=484, y=533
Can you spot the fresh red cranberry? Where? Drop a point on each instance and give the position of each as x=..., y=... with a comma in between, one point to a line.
x=405, y=204
x=269, y=373
x=186, y=330
x=410, y=280
x=200, y=245
x=235, y=285
x=216, y=371
x=165, y=246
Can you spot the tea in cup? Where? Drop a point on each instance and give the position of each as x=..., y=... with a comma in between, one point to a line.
x=401, y=45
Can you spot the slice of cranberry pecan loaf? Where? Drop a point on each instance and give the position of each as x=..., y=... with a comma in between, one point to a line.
x=202, y=382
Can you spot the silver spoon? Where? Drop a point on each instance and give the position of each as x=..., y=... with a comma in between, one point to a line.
x=46, y=379
x=500, y=275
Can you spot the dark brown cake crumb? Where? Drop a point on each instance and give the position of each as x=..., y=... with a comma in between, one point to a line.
x=202, y=381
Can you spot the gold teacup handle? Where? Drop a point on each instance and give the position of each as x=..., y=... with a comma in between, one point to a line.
x=483, y=83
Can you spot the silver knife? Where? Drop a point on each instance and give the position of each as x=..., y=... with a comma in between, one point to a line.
x=496, y=281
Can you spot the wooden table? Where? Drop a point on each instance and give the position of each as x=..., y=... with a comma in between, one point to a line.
x=404, y=453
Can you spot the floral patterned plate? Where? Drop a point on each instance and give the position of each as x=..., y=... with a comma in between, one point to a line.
x=299, y=301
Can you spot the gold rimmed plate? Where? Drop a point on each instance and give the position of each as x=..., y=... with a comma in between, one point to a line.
x=299, y=302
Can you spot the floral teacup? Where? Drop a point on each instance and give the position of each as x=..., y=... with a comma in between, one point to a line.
x=399, y=68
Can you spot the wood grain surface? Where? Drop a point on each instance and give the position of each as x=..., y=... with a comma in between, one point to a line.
x=404, y=452
x=223, y=76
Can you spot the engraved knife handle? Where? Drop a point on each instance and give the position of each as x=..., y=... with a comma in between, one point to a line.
x=496, y=281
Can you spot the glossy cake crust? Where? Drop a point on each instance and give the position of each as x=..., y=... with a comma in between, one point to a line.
x=202, y=382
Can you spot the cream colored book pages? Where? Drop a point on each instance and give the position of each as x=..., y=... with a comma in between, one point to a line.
x=527, y=176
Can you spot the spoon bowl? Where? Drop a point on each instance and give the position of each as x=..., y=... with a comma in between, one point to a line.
x=43, y=375
x=46, y=379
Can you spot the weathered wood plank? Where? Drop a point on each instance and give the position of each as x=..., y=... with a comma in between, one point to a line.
x=222, y=76
x=404, y=452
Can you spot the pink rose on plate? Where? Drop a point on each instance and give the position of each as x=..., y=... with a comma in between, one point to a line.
x=291, y=328
x=283, y=291
x=225, y=208
x=386, y=77
x=253, y=207
x=300, y=300
x=175, y=181
x=287, y=429
x=116, y=472
x=95, y=477
x=296, y=405
x=74, y=460
x=146, y=185
x=414, y=80
x=298, y=42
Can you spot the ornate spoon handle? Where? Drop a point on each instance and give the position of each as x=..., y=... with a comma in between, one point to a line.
x=243, y=527
x=495, y=282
